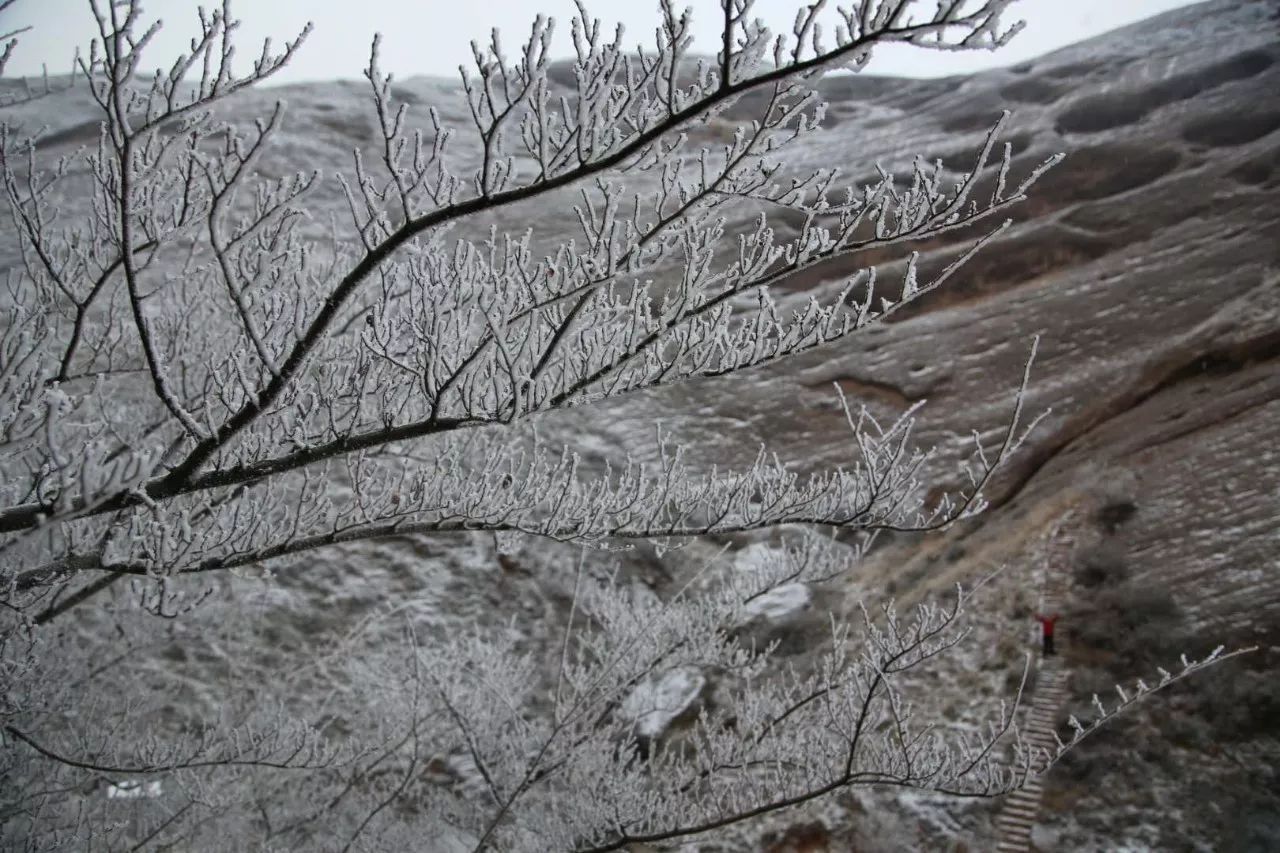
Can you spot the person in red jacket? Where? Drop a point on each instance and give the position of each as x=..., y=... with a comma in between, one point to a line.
x=1046, y=627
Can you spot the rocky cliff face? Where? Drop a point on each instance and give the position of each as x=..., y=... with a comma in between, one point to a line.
x=1148, y=263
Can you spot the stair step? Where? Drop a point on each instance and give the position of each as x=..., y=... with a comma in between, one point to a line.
x=1028, y=811
x=1027, y=816
x=1009, y=817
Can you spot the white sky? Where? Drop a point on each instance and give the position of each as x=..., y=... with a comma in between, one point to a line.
x=433, y=36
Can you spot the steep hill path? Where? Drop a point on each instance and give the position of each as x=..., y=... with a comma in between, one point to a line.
x=1018, y=816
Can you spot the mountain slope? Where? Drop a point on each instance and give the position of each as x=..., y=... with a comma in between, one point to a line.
x=1148, y=265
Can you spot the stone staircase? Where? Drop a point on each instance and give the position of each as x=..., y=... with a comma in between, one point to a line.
x=1018, y=815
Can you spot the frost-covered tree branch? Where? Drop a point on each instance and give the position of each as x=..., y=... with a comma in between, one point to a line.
x=663, y=722
x=468, y=334
x=25, y=92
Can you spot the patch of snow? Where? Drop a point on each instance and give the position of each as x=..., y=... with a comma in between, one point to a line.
x=658, y=700
x=757, y=557
x=780, y=602
x=133, y=790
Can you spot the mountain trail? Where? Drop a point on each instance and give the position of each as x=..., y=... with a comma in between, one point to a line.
x=1021, y=808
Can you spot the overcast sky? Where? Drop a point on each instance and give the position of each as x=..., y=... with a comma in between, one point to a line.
x=432, y=36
